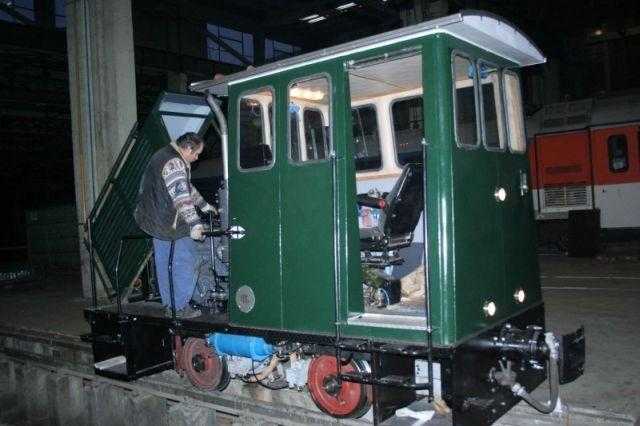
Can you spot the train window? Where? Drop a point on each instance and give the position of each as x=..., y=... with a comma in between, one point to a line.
x=294, y=132
x=179, y=125
x=313, y=95
x=513, y=108
x=365, y=138
x=490, y=101
x=314, y=135
x=465, y=101
x=618, y=153
x=270, y=111
x=408, y=129
x=255, y=144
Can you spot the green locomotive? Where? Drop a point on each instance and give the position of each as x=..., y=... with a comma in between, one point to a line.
x=376, y=236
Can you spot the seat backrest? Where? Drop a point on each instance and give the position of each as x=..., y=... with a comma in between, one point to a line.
x=404, y=202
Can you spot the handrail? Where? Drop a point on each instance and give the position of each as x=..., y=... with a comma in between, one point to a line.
x=224, y=135
x=115, y=169
x=117, y=268
x=96, y=207
x=427, y=287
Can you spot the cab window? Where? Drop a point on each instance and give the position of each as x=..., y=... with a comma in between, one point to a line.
x=312, y=96
x=493, y=124
x=408, y=129
x=618, y=153
x=513, y=108
x=255, y=144
x=314, y=135
x=365, y=138
x=294, y=132
x=466, y=117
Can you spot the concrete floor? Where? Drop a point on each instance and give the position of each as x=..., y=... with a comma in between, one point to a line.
x=54, y=304
x=603, y=294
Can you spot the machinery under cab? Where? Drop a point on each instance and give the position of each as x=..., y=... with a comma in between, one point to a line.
x=375, y=243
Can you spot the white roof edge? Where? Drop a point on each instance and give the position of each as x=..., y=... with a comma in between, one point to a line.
x=487, y=31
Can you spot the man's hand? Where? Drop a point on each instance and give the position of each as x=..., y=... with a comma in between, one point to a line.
x=209, y=208
x=197, y=233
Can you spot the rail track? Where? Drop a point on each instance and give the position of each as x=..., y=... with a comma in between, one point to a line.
x=47, y=379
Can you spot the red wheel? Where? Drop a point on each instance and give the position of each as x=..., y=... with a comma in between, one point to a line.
x=347, y=399
x=201, y=364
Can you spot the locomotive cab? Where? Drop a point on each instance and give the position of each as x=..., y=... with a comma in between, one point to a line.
x=376, y=235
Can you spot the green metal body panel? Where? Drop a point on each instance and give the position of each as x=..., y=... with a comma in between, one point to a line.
x=307, y=223
x=254, y=204
x=478, y=250
x=287, y=254
x=112, y=216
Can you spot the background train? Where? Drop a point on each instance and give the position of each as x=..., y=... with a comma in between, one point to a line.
x=329, y=161
x=585, y=168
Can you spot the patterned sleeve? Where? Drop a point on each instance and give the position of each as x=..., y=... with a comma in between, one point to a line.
x=198, y=200
x=175, y=178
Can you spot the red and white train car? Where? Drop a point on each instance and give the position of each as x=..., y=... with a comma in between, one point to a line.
x=585, y=166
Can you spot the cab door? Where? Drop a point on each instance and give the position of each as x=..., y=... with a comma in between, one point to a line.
x=521, y=275
x=479, y=249
x=616, y=171
x=281, y=198
x=307, y=185
x=255, y=274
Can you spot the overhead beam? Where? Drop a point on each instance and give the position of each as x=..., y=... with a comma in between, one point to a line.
x=9, y=10
x=226, y=47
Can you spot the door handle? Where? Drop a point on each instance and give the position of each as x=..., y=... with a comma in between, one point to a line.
x=236, y=232
x=524, y=183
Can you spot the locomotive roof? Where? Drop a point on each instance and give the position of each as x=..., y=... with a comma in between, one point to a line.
x=482, y=29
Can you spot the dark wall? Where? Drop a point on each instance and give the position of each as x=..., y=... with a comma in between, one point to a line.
x=35, y=131
x=36, y=166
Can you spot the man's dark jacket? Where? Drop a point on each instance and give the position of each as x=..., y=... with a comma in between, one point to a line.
x=155, y=213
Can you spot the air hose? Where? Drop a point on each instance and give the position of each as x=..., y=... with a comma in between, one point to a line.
x=552, y=365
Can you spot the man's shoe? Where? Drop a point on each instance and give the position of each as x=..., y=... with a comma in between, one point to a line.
x=184, y=313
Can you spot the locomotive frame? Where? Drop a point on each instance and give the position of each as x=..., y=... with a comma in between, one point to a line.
x=295, y=253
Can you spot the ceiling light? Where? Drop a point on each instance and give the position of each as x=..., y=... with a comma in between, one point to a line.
x=311, y=95
x=306, y=18
x=318, y=19
x=345, y=6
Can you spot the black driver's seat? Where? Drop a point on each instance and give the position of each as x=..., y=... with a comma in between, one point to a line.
x=400, y=211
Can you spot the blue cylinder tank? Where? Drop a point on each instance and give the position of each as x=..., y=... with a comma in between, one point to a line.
x=246, y=346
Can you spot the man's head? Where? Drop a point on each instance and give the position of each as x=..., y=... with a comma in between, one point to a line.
x=190, y=145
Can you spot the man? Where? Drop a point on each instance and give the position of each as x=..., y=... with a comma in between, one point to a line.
x=166, y=210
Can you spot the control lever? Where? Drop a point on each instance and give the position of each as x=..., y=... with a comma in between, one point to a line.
x=219, y=293
x=215, y=232
x=235, y=232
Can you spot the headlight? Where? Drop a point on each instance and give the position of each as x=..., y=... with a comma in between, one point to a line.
x=490, y=308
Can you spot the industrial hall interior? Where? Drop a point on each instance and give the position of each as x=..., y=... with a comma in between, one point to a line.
x=367, y=212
